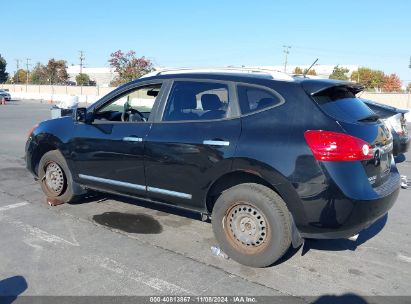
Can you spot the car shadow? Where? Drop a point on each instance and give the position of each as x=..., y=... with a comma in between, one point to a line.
x=345, y=244
x=11, y=288
x=166, y=209
x=287, y=255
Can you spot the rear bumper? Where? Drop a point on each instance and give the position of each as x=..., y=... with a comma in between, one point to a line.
x=342, y=217
x=364, y=214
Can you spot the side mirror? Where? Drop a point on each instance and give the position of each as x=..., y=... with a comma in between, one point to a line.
x=81, y=115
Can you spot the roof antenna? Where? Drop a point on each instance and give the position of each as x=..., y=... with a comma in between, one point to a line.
x=306, y=71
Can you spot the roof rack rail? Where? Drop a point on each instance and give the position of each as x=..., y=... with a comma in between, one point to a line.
x=269, y=72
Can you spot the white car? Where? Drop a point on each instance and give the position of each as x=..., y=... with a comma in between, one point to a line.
x=5, y=94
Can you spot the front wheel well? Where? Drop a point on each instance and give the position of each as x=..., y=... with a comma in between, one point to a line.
x=38, y=154
x=229, y=180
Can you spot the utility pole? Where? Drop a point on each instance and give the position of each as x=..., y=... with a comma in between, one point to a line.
x=82, y=58
x=286, y=51
x=17, y=71
x=81, y=61
x=27, y=71
x=409, y=91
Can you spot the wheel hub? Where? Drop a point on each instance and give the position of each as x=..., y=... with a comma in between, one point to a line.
x=246, y=225
x=54, y=178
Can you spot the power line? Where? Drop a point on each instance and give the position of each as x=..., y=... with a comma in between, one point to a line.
x=286, y=51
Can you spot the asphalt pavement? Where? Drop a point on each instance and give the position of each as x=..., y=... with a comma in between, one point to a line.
x=108, y=245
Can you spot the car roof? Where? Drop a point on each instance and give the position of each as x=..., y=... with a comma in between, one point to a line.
x=225, y=71
x=247, y=75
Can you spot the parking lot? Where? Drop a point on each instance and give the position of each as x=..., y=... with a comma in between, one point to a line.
x=109, y=245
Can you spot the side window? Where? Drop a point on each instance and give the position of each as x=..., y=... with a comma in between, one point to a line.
x=191, y=100
x=133, y=106
x=254, y=99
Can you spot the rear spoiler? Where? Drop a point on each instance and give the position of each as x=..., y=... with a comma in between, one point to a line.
x=314, y=87
x=384, y=111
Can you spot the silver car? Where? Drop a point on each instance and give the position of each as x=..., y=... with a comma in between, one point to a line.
x=5, y=94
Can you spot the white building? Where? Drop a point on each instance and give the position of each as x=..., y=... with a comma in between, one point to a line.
x=102, y=76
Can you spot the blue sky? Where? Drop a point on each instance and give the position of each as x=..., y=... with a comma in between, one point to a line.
x=375, y=34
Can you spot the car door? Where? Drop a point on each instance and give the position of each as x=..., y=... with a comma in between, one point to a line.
x=193, y=143
x=108, y=153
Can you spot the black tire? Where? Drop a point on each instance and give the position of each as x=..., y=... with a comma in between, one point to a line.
x=65, y=194
x=258, y=235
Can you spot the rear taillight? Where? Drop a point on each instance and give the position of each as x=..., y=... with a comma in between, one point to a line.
x=334, y=146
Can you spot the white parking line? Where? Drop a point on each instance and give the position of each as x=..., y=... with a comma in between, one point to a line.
x=35, y=232
x=404, y=258
x=40, y=234
x=139, y=276
x=12, y=206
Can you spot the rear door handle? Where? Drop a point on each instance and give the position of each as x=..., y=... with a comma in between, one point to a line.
x=132, y=138
x=216, y=143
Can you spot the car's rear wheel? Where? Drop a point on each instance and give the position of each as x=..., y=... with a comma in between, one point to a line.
x=55, y=177
x=252, y=224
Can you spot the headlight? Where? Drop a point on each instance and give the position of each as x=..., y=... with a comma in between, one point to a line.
x=395, y=123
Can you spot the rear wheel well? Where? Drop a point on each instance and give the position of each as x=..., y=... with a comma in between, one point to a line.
x=229, y=180
x=38, y=154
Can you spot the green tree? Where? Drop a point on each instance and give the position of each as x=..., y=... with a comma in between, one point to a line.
x=409, y=87
x=39, y=75
x=310, y=72
x=83, y=79
x=339, y=73
x=20, y=76
x=392, y=83
x=3, y=75
x=298, y=70
x=57, y=71
x=368, y=78
x=128, y=66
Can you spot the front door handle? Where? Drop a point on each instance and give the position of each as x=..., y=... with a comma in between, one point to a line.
x=132, y=138
x=216, y=143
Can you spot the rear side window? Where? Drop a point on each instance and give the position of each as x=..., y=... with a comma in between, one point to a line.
x=191, y=100
x=254, y=99
x=340, y=103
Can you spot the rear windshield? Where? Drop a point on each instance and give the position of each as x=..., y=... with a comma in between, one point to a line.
x=341, y=104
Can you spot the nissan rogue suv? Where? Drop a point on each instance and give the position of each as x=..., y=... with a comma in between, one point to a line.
x=271, y=159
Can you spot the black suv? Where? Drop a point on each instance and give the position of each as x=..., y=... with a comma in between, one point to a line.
x=270, y=158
